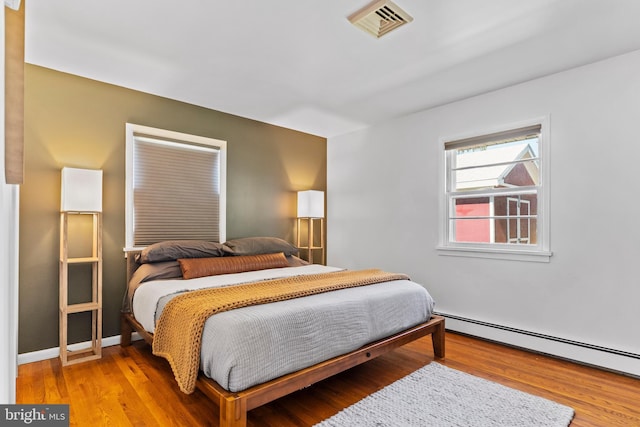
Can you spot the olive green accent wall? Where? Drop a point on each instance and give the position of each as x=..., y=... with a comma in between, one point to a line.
x=77, y=122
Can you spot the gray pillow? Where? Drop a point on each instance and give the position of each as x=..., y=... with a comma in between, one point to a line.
x=171, y=250
x=259, y=245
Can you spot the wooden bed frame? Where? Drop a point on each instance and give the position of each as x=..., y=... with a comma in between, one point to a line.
x=234, y=406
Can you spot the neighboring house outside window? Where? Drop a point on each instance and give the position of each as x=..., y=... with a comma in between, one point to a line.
x=495, y=204
x=175, y=187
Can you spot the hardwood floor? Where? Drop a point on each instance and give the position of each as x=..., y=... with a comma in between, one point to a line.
x=131, y=387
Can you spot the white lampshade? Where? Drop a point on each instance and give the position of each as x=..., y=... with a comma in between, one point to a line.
x=311, y=204
x=81, y=190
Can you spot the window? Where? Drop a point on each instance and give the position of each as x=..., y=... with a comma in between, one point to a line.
x=495, y=204
x=175, y=187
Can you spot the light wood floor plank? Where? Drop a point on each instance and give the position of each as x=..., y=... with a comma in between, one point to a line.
x=131, y=387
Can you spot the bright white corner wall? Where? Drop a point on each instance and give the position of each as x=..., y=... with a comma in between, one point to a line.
x=8, y=262
x=384, y=191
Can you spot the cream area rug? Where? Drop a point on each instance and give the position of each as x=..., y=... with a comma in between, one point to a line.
x=443, y=397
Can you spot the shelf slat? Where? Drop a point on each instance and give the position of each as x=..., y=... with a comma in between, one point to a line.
x=85, y=306
x=81, y=260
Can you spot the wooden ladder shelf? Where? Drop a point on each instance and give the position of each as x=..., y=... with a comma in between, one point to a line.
x=94, y=350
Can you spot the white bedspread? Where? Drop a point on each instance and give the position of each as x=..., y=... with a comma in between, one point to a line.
x=147, y=296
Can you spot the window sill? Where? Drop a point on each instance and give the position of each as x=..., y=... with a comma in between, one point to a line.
x=495, y=253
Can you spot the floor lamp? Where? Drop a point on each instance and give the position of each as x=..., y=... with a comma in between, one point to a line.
x=81, y=195
x=311, y=210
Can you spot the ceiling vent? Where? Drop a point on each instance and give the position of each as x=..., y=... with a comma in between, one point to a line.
x=380, y=17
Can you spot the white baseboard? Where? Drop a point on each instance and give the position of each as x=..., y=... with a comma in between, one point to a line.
x=610, y=359
x=52, y=353
x=590, y=355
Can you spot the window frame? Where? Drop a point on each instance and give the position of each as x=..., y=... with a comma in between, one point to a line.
x=131, y=131
x=536, y=253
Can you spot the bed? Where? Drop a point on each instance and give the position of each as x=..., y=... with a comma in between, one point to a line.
x=253, y=344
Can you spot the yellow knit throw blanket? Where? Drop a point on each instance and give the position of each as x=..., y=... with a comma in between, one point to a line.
x=178, y=335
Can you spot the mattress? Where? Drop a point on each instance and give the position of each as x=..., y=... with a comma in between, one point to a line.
x=251, y=345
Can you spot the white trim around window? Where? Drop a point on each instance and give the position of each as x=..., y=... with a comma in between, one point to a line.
x=174, y=193
x=539, y=252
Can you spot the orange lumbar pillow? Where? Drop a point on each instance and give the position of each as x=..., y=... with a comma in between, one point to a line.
x=201, y=267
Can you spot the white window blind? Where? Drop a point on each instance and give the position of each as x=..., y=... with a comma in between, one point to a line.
x=518, y=134
x=176, y=187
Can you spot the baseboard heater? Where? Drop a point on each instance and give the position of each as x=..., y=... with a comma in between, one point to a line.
x=543, y=336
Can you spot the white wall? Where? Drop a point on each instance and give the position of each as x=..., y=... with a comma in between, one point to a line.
x=8, y=262
x=384, y=190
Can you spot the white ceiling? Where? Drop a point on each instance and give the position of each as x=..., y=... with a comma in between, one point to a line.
x=302, y=65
